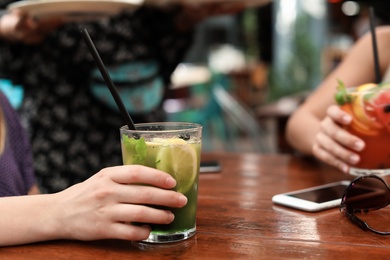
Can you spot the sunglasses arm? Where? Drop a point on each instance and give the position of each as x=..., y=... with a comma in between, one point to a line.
x=357, y=221
x=363, y=225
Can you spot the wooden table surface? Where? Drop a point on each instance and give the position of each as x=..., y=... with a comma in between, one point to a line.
x=237, y=220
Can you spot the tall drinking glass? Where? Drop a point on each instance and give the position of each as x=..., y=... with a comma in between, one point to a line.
x=172, y=147
x=369, y=106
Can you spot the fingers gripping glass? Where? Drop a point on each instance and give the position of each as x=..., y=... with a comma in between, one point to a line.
x=364, y=194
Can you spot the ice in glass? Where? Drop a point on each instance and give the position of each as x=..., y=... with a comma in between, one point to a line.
x=174, y=148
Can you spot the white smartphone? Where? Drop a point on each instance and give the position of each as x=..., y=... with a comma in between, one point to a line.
x=210, y=167
x=315, y=198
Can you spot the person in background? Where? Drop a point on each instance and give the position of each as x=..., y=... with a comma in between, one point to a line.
x=16, y=165
x=316, y=127
x=72, y=119
x=101, y=207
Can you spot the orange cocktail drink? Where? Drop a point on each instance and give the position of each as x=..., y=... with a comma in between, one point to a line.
x=369, y=106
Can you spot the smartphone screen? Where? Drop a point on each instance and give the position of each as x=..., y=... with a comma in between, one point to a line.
x=314, y=198
x=209, y=167
x=322, y=194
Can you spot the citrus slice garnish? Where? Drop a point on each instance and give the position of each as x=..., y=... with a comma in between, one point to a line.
x=364, y=115
x=360, y=109
x=161, y=140
x=357, y=125
x=366, y=87
x=181, y=161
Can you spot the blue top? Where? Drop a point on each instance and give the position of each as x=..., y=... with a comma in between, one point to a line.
x=16, y=168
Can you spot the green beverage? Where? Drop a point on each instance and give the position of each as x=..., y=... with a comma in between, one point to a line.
x=173, y=148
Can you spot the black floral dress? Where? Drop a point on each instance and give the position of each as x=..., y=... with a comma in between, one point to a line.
x=73, y=134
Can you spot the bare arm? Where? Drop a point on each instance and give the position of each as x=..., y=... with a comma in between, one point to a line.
x=314, y=129
x=102, y=207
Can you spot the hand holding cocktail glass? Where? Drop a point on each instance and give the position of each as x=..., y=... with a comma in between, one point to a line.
x=335, y=145
x=170, y=147
x=369, y=108
x=173, y=148
x=354, y=135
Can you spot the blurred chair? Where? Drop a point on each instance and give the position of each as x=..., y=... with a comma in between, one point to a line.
x=278, y=112
x=242, y=119
x=227, y=123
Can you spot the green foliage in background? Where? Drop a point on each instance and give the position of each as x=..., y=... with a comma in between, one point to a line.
x=303, y=68
x=250, y=26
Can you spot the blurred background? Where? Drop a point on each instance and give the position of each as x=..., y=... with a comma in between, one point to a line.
x=247, y=72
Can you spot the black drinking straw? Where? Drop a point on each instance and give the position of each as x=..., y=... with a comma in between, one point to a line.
x=378, y=77
x=107, y=79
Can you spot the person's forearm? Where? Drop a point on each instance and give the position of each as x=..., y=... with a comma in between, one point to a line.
x=301, y=131
x=27, y=219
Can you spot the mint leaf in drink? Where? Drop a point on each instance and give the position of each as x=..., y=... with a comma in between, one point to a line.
x=136, y=148
x=342, y=97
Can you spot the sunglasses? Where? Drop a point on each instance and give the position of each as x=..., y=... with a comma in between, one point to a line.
x=364, y=194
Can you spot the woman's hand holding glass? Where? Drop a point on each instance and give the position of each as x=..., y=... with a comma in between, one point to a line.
x=333, y=144
x=106, y=204
x=102, y=207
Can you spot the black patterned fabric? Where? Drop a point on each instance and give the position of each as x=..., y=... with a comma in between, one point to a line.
x=73, y=135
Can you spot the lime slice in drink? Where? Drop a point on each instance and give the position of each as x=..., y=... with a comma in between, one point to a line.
x=180, y=160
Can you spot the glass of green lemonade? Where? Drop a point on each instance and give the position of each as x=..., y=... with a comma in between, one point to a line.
x=172, y=147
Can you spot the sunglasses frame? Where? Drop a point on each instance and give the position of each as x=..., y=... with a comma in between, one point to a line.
x=349, y=213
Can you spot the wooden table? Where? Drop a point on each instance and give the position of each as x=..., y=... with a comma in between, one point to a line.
x=237, y=220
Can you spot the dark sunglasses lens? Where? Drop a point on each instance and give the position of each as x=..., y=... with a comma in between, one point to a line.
x=367, y=193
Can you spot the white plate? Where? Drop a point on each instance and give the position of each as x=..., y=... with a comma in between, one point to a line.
x=74, y=10
x=186, y=75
